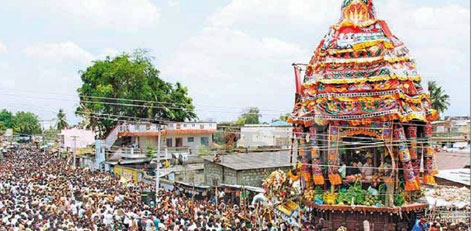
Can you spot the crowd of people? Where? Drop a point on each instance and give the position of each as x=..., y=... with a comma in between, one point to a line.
x=422, y=224
x=42, y=192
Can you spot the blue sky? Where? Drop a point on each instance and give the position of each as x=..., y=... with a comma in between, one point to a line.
x=230, y=53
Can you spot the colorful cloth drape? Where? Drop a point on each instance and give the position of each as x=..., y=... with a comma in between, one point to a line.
x=318, y=178
x=333, y=157
x=413, y=148
x=428, y=157
x=404, y=154
x=306, y=169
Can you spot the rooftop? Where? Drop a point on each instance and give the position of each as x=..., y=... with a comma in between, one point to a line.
x=461, y=176
x=254, y=160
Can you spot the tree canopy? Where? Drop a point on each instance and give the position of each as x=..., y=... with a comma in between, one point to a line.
x=439, y=98
x=61, y=120
x=249, y=116
x=126, y=87
x=284, y=117
x=25, y=123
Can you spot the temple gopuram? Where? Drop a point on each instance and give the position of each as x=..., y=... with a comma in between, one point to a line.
x=362, y=121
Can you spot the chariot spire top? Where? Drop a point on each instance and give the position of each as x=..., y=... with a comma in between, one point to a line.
x=357, y=12
x=360, y=72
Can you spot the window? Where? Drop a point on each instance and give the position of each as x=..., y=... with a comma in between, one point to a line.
x=169, y=142
x=204, y=141
x=177, y=126
x=193, y=125
x=178, y=142
x=185, y=125
x=202, y=126
x=190, y=139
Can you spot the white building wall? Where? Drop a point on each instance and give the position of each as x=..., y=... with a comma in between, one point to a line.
x=82, y=138
x=255, y=136
x=195, y=145
x=144, y=142
x=147, y=141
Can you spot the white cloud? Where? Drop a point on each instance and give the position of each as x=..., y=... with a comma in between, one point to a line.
x=65, y=52
x=274, y=11
x=242, y=56
x=223, y=66
x=112, y=14
x=112, y=52
x=3, y=48
x=439, y=40
x=5, y=80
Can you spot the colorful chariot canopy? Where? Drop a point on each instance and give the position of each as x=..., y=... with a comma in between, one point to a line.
x=360, y=72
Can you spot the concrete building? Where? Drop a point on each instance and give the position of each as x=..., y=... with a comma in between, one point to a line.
x=8, y=135
x=458, y=125
x=266, y=135
x=76, y=138
x=248, y=169
x=453, y=132
x=180, y=140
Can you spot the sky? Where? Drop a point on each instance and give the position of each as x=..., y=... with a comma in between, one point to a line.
x=231, y=54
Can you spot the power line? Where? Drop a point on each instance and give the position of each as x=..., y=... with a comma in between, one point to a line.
x=146, y=101
x=144, y=106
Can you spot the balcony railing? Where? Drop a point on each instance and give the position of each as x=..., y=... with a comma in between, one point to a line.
x=172, y=126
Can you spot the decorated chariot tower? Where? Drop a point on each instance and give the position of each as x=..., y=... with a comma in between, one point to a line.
x=360, y=97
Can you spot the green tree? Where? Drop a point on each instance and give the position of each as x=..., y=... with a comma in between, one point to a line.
x=249, y=116
x=61, y=120
x=7, y=118
x=3, y=127
x=151, y=152
x=439, y=98
x=26, y=123
x=129, y=86
x=284, y=117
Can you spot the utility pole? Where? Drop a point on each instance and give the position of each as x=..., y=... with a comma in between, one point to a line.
x=158, y=162
x=74, y=150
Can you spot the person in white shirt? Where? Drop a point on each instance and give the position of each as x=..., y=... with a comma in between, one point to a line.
x=367, y=168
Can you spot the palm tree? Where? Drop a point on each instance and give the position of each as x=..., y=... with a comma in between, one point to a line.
x=439, y=98
x=61, y=120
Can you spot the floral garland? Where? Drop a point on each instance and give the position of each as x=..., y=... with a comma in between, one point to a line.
x=403, y=153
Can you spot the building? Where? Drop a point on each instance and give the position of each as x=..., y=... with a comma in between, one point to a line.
x=277, y=134
x=179, y=137
x=454, y=177
x=8, y=135
x=136, y=144
x=248, y=169
x=459, y=125
x=76, y=138
x=453, y=132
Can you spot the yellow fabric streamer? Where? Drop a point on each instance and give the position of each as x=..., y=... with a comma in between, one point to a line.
x=318, y=179
x=415, y=100
x=364, y=45
x=361, y=61
x=335, y=179
x=412, y=186
x=363, y=80
x=428, y=179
